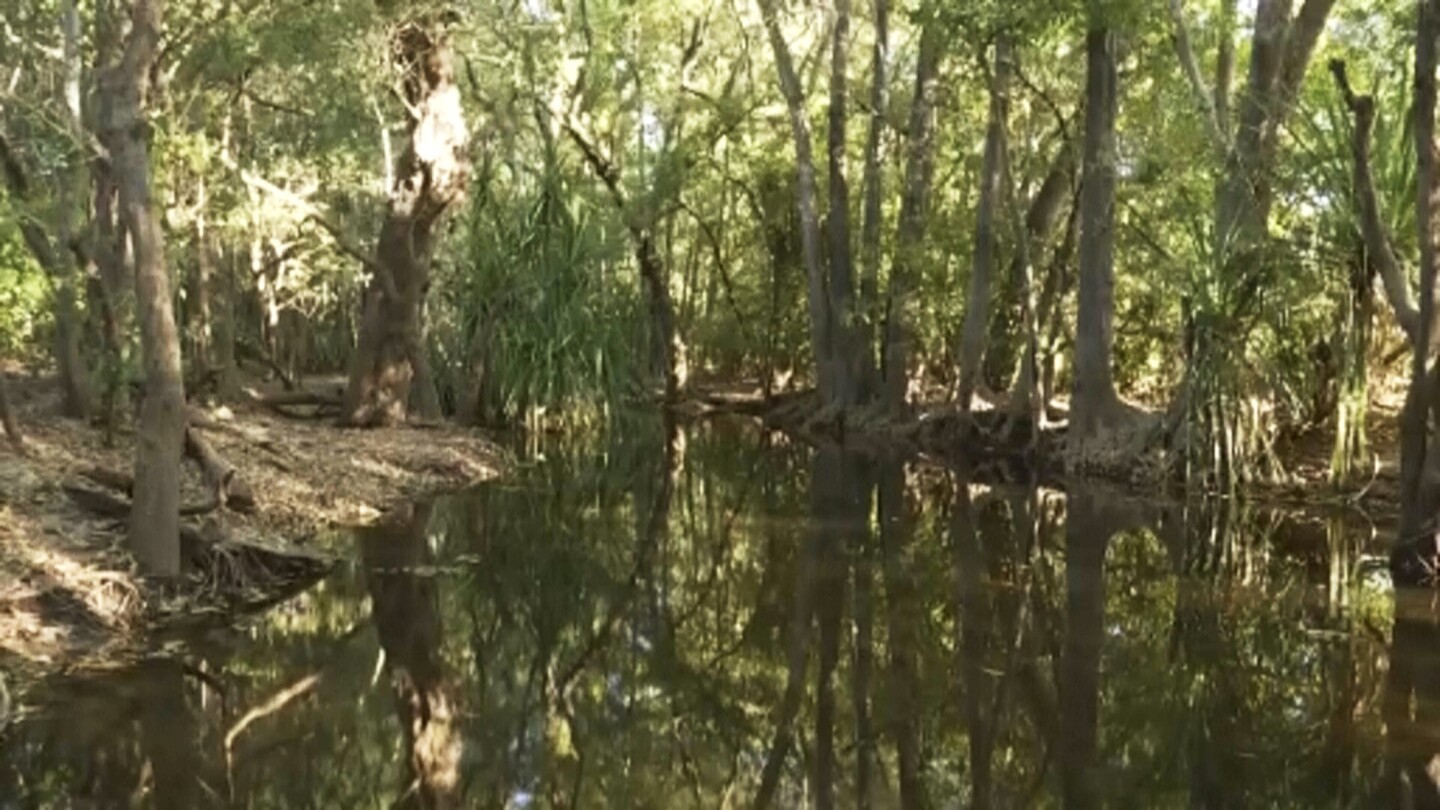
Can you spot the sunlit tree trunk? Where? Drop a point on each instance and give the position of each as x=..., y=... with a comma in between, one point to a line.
x=822, y=332
x=982, y=263
x=1094, y=400
x=108, y=246
x=155, y=515
x=200, y=319
x=851, y=354
x=910, y=233
x=433, y=170
x=872, y=189
x=74, y=373
x=1415, y=549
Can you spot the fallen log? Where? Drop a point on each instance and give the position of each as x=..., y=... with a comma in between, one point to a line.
x=111, y=479
x=104, y=504
x=280, y=402
x=226, y=489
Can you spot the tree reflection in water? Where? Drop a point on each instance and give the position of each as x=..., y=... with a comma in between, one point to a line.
x=714, y=619
x=400, y=576
x=1412, y=702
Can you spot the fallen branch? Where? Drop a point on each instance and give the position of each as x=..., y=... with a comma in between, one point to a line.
x=227, y=491
x=279, y=401
x=111, y=479
x=104, y=504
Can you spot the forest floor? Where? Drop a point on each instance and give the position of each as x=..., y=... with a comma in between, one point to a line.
x=70, y=595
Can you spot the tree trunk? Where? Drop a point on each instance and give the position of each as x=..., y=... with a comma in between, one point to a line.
x=7, y=415
x=873, y=182
x=107, y=245
x=74, y=374
x=910, y=233
x=431, y=178
x=1417, y=500
x=155, y=518
x=1094, y=400
x=821, y=318
x=227, y=384
x=850, y=360
x=1005, y=353
x=200, y=319
x=977, y=304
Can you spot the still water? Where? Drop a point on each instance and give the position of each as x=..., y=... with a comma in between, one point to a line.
x=726, y=619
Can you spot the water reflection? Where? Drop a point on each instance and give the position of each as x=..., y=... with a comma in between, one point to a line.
x=715, y=618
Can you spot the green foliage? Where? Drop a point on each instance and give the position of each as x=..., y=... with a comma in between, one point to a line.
x=542, y=300
x=24, y=300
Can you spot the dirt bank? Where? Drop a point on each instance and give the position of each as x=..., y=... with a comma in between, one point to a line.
x=70, y=595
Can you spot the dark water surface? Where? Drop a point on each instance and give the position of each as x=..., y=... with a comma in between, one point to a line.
x=737, y=620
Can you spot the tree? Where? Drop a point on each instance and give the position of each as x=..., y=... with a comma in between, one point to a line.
x=430, y=180
x=822, y=318
x=977, y=303
x=160, y=438
x=910, y=231
x=1094, y=403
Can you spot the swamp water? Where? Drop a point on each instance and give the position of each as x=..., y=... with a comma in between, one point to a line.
x=730, y=619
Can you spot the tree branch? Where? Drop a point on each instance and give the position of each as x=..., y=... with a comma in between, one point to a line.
x=1372, y=228
x=1180, y=37
x=18, y=184
x=1300, y=42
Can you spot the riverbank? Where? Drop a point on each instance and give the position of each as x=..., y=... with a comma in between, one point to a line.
x=70, y=595
x=992, y=446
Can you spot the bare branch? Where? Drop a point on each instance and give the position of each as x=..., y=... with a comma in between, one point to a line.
x=1180, y=37
x=1377, y=237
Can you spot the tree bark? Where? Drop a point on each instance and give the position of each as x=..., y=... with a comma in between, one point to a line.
x=74, y=373
x=977, y=305
x=200, y=326
x=7, y=415
x=850, y=352
x=910, y=232
x=872, y=184
x=1038, y=227
x=155, y=518
x=1417, y=501
x=1377, y=238
x=1094, y=400
x=430, y=179
x=821, y=318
